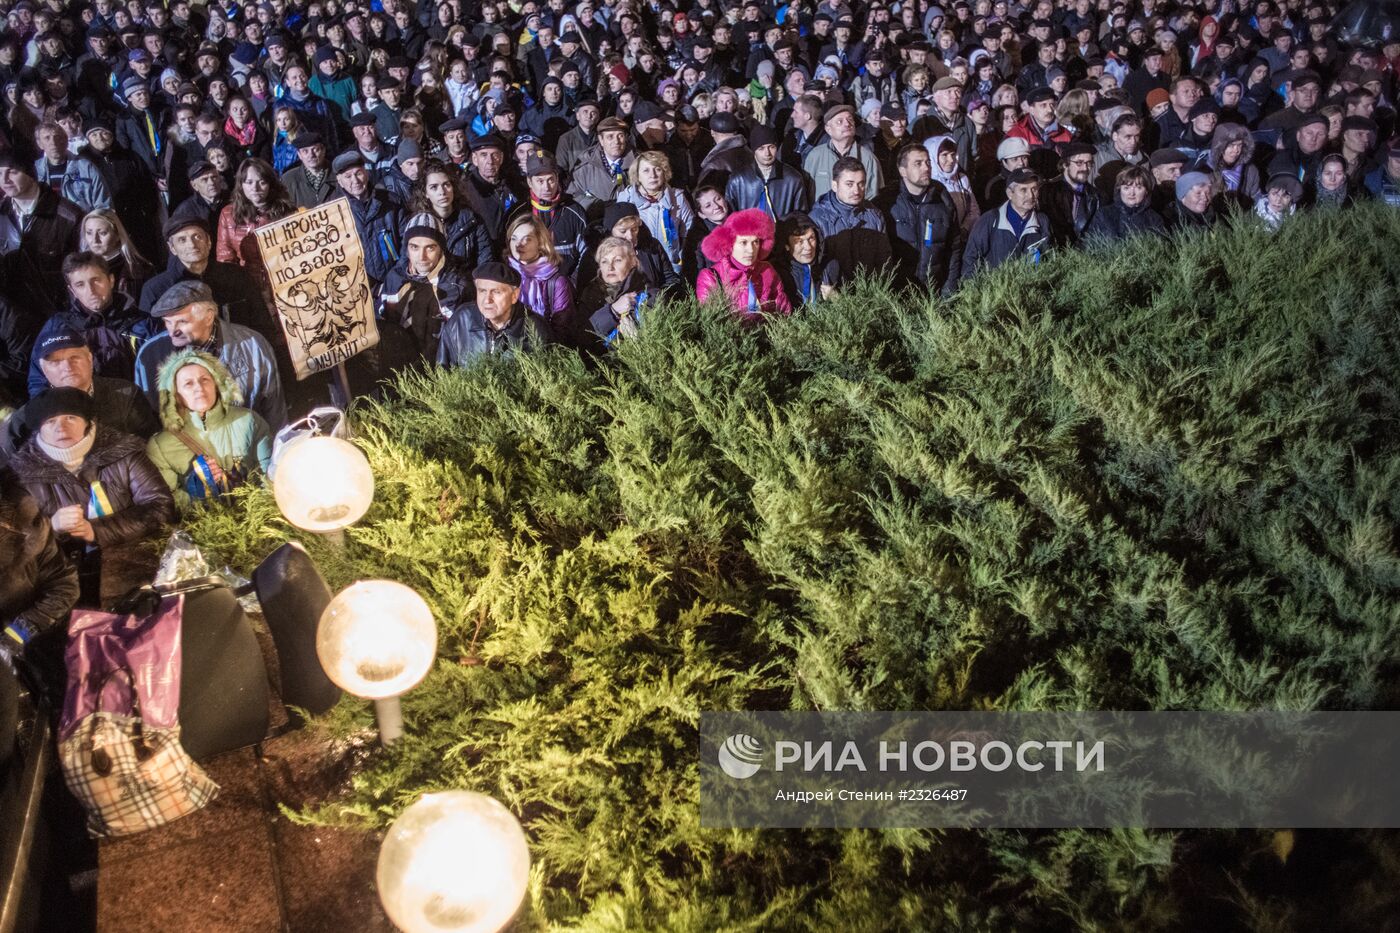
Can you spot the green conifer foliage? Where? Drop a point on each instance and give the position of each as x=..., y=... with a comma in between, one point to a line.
x=1165, y=476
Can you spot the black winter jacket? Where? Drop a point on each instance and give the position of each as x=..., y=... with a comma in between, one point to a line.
x=418, y=307
x=469, y=335
x=1057, y=201
x=141, y=501
x=854, y=237
x=1116, y=221
x=377, y=222
x=786, y=191
x=33, y=251
x=926, y=237
x=37, y=583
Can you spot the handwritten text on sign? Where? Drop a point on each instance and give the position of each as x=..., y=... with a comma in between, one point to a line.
x=316, y=267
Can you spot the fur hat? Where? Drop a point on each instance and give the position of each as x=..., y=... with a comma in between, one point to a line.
x=718, y=245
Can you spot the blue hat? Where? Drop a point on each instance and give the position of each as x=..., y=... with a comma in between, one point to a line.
x=56, y=335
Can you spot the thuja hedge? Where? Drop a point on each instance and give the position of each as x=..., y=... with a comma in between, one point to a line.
x=1162, y=476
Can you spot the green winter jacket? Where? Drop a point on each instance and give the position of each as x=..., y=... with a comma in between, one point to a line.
x=238, y=437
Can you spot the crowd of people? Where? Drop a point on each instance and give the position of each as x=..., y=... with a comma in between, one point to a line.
x=544, y=172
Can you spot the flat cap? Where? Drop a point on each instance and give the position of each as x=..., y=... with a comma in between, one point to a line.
x=497, y=272
x=180, y=296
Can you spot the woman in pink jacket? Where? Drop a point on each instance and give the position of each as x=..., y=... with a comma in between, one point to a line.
x=739, y=249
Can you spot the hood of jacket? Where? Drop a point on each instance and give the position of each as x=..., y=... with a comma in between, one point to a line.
x=171, y=416
x=1225, y=134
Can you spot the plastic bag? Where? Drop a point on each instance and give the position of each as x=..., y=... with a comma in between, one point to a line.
x=183, y=560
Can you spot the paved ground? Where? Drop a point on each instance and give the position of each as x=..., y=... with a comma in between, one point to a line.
x=239, y=865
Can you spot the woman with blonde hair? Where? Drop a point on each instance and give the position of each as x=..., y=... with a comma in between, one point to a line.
x=614, y=300
x=544, y=289
x=664, y=209
x=1074, y=110
x=103, y=233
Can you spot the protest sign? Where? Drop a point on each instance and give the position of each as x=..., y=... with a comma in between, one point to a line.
x=316, y=266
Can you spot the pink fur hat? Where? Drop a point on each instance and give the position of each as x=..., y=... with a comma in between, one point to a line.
x=752, y=222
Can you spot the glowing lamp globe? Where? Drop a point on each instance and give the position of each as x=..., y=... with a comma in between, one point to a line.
x=323, y=484
x=376, y=639
x=454, y=862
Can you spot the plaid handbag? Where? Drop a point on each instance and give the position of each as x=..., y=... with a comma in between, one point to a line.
x=119, y=735
x=129, y=777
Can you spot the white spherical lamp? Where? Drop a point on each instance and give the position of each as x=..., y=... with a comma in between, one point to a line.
x=454, y=862
x=323, y=484
x=377, y=639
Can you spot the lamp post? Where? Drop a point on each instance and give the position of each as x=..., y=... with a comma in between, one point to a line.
x=323, y=484
x=453, y=862
x=377, y=640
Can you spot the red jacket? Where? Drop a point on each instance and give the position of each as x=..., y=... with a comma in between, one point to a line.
x=1026, y=129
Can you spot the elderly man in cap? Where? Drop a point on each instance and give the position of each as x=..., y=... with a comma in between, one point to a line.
x=311, y=182
x=1071, y=200
x=560, y=214
x=191, y=245
x=66, y=361
x=376, y=218
x=767, y=183
x=191, y=319
x=427, y=286
x=490, y=191
x=496, y=323
x=139, y=130
x=37, y=229
x=454, y=137
x=947, y=118
x=602, y=172
x=1017, y=229
x=378, y=155
x=209, y=196
x=841, y=143
x=1038, y=127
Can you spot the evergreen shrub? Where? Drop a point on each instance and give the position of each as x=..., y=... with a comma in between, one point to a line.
x=1160, y=476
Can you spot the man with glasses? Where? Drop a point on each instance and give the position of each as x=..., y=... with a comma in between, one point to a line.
x=1071, y=200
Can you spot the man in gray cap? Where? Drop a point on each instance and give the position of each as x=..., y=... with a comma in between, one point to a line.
x=139, y=129
x=840, y=124
x=191, y=319
x=376, y=218
x=310, y=183
x=398, y=181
